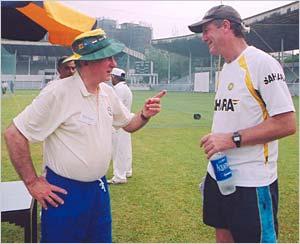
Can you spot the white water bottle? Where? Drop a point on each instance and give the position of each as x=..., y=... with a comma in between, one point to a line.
x=223, y=173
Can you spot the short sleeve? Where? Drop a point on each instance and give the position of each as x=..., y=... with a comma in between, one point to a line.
x=41, y=118
x=272, y=87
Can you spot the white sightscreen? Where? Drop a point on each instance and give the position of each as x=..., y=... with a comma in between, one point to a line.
x=201, y=83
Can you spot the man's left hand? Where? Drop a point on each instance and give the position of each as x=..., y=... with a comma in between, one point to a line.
x=216, y=142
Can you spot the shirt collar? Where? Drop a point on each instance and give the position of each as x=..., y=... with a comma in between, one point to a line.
x=102, y=86
x=84, y=91
x=82, y=87
x=79, y=82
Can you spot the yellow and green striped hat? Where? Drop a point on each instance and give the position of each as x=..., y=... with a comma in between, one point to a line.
x=94, y=45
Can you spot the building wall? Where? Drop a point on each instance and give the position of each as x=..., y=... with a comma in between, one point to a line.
x=134, y=36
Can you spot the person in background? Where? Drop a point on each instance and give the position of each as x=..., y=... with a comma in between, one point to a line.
x=253, y=108
x=65, y=69
x=12, y=86
x=4, y=86
x=122, y=149
x=74, y=118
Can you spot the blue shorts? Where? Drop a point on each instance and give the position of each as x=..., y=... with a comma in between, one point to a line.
x=85, y=215
x=250, y=213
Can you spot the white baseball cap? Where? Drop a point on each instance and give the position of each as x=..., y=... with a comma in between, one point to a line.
x=118, y=72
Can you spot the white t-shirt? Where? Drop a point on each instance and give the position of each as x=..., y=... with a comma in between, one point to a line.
x=238, y=106
x=75, y=130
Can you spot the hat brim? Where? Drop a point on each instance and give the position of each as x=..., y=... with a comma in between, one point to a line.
x=113, y=49
x=197, y=27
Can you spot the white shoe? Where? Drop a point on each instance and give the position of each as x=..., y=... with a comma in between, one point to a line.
x=116, y=182
x=128, y=175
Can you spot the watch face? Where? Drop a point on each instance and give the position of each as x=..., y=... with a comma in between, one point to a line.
x=236, y=138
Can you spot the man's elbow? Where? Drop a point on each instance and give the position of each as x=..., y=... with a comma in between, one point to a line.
x=291, y=127
x=9, y=133
x=12, y=133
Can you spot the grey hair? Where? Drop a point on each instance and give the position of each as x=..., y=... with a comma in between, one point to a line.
x=239, y=30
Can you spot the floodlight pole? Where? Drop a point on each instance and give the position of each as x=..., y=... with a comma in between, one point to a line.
x=211, y=72
x=128, y=63
x=15, y=73
x=169, y=68
x=282, y=49
x=28, y=65
x=190, y=66
x=55, y=66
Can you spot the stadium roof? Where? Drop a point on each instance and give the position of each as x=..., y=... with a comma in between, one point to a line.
x=43, y=48
x=29, y=48
x=268, y=29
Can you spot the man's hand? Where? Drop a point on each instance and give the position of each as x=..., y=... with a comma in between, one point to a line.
x=218, y=142
x=43, y=192
x=152, y=105
x=150, y=108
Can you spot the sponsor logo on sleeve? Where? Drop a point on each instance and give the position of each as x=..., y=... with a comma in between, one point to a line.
x=273, y=77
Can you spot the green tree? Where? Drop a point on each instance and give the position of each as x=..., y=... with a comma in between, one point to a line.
x=292, y=59
x=160, y=58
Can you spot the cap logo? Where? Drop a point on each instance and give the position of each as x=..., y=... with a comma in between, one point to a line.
x=89, y=44
x=94, y=45
x=80, y=46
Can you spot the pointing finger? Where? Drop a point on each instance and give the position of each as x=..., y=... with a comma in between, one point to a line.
x=161, y=94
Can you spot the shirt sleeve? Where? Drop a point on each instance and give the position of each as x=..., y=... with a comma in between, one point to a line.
x=39, y=119
x=273, y=88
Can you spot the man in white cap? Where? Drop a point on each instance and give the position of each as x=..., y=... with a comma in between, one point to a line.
x=74, y=118
x=122, y=149
x=253, y=108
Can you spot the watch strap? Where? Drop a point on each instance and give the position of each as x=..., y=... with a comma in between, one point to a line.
x=237, y=138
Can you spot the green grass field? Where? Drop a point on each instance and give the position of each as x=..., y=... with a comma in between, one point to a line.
x=161, y=202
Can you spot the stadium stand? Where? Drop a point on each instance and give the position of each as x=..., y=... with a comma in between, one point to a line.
x=274, y=31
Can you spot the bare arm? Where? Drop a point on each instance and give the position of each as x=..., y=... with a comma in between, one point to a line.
x=271, y=129
x=19, y=152
x=151, y=108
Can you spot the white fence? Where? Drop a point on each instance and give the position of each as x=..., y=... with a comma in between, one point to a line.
x=27, y=82
x=34, y=82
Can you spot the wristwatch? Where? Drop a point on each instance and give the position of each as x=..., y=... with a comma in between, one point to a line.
x=237, y=138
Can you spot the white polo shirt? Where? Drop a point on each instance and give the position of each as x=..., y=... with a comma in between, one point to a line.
x=238, y=106
x=76, y=131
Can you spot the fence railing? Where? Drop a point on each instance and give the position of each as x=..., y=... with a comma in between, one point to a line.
x=27, y=82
